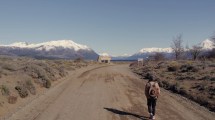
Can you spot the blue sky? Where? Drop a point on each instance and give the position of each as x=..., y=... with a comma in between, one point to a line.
x=112, y=26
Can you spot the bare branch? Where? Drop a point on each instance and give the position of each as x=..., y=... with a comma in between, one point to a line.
x=177, y=46
x=195, y=51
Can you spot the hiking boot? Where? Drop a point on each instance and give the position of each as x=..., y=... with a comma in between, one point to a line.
x=153, y=117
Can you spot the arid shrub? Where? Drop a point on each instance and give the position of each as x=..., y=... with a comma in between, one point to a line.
x=166, y=84
x=47, y=84
x=212, y=79
x=62, y=71
x=188, y=68
x=185, y=78
x=201, y=100
x=158, y=56
x=30, y=86
x=174, y=66
x=77, y=60
x=175, y=88
x=149, y=76
x=12, y=99
x=182, y=91
x=5, y=90
x=161, y=65
x=22, y=91
x=10, y=67
x=205, y=78
x=134, y=64
x=39, y=72
x=212, y=91
x=35, y=69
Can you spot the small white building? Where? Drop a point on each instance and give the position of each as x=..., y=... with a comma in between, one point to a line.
x=104, y=58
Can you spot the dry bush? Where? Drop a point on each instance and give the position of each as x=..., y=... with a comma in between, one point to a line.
x=5, y=90
x=161, y=65
x=158, y=56
x=9, y=66
x=30, y=86
x=78, y=60
x=213, y=79
x=12, y=99
x=22, y=90
x=39, y=73
x=188, y=68
x=185, y=78
x=47, y=84
x=197, y=85
x=173, y=66
x=206, y=77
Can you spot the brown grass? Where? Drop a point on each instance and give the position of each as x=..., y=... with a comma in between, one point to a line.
x=192, y=79
x=22, y=77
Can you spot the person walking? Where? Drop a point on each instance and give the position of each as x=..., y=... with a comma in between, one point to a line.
x=152, y=92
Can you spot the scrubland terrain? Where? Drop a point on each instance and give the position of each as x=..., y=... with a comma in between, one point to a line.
x=192, y=79
x=84, y=90
x=23, y=79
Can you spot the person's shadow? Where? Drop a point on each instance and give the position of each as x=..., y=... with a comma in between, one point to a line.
x=119, y=112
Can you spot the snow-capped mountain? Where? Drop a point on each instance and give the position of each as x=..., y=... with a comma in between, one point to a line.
x=64, y=49
x=121, y=57
x=104, y=54
x=50, y=45
x=153, y=50
x=146, y=52
x=206, y=44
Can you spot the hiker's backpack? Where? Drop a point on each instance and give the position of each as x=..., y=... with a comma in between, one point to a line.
x=153, y=91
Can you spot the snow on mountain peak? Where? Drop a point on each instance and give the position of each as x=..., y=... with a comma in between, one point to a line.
x=207, y=44
x=104, y=54
x=20, y=44
x=63, y=43
x=51, y=45
x=147, y=50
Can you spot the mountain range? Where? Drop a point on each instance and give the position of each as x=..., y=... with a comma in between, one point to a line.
x=146, y=52
x=68, y=49
x=59, y=49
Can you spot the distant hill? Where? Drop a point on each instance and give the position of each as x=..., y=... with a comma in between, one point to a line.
x=59, y=49
x=146, y=52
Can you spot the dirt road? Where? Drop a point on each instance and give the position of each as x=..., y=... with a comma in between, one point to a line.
x=106, y=93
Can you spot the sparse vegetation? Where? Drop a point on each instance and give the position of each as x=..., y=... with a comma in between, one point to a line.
x=177, y=47
x=5, y=90
x=158, y=56
x=191, y=79
x=195, y=52
x=173, y=66
x=22, y=90
x=20, y=76
x=30, y=86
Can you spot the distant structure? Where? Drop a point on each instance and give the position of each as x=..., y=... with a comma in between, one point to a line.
x=104, y=59
x=140, y=61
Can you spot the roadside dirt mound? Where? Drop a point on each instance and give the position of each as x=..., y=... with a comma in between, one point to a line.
x=22, y=79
